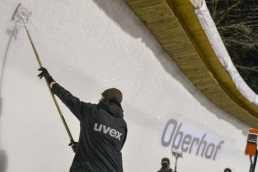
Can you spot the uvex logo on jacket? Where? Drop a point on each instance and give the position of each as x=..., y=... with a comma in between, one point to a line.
x=107, y=130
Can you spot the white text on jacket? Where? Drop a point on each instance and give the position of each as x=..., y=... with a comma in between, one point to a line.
x=107, y=130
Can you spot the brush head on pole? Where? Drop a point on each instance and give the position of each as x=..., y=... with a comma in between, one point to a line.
x=21, y=15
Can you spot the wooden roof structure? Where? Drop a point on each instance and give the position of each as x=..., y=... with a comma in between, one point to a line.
x=176, y=27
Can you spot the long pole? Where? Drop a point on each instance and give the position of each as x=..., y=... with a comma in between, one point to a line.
x=176, y=164
x=52, y=95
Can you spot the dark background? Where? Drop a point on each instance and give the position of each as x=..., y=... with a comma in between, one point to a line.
x=237, y=23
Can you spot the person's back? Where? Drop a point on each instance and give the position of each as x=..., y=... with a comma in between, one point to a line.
x=103, y=130
x=101, y=138
x=166, y=169
x=102, y=135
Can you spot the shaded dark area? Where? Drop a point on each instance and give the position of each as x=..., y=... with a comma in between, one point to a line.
x=237, y=23
x=3, y=161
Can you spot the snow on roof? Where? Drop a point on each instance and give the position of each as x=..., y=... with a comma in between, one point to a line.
x=219, y=48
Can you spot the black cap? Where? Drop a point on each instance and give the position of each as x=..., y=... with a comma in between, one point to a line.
x=165, y=161
x=113, y=94
x=227, y=170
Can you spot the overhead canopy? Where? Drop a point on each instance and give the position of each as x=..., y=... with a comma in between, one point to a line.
x=177, y=28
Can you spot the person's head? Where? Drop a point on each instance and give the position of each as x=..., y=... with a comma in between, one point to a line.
x=165, y=162
x=227, y=170
x=113, y=94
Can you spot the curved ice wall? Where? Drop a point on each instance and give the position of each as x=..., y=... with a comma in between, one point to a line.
x=89, y=46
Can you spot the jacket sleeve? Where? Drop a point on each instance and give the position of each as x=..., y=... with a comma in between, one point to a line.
x=76, y=106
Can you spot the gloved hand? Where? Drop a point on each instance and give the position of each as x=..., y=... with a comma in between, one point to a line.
x=73, y=145
x=44, y=73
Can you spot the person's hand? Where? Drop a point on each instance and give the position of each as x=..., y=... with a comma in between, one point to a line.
x=44, y=73
x=73, y=145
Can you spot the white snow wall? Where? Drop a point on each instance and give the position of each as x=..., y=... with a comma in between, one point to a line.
x=89, y=46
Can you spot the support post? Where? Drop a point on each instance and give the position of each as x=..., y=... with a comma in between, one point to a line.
x=253, y=163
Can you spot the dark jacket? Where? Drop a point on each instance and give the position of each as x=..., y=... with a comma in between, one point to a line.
x=103, y=133
x=165, y=169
